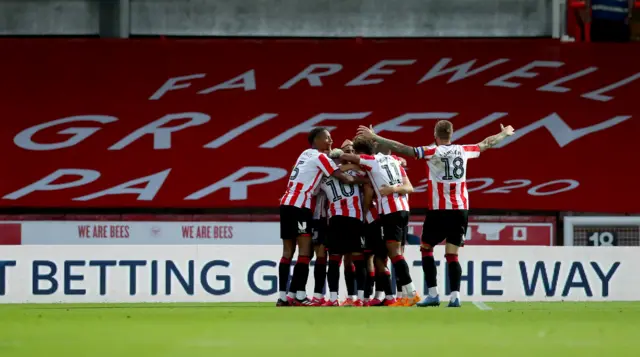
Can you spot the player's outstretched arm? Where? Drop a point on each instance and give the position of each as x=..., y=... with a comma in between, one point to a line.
x=395, y=146
x=495, y=139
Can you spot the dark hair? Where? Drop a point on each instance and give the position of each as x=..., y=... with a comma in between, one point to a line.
x=363, y=146
x=444, y=130
x=314, y=132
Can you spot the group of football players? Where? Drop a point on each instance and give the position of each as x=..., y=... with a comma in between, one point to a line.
x=351, y=205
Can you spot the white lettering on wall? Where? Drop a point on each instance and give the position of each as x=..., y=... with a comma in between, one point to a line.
x=461, y=71
x=173, y=84
x=598, y=94
x=553, y=86
x=162, y=136
x=25, y=141
x=238, y=188
x=146, y=193
x=47, y=183
x=522, y=72
x=378, y=69
x=234, y=133
x=306, y=126
x=246, y=81
x=394, y=124
x=312, y=77
x=561, y=132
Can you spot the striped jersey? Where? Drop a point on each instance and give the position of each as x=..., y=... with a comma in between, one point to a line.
x=447, y=174
x=305, y=178
x=372, y=213
x=386, y=170
x=319, y=204
x=343, y=199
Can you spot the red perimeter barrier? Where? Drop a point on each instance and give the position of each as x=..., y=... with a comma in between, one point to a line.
x=219, y=123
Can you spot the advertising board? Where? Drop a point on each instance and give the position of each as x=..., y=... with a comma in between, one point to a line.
x=233, y=273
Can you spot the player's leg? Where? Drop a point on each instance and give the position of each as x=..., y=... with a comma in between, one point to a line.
x=432, y=235
x=395, y=226
x=358, y=268
x=371, y=276
x=319, y=275
x=284, y=269
x=361, y=276
x=349, y=280
x=369, y=245
x=288, y=233
x=375, y=243
x=333, y=279
x=399, y=293
x=320, y=267
x=457, y=224
x=383, y=283
x=335, y=260
x=354, y=244
x=305, y=250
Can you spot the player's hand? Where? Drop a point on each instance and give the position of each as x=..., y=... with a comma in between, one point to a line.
x=403, y=161
x=508, y=130
x=386, y=190
x=365, y=132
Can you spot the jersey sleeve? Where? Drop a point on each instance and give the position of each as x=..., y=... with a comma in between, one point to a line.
x=424, y=152
x=471, y=151
x=326, y=165
x=367, y=162
x=403, y=173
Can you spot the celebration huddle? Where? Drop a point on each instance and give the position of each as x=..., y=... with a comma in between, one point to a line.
x=351, y=206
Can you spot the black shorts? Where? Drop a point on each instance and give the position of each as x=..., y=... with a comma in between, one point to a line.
x=373, y=242
x=320, y=228
x=295, y=222
x=345, y=235
x=441, y=225
x=395, y=226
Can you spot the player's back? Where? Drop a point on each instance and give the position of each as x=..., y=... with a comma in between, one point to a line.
x=385, y=170
x=344, y=199
x=447, y=175
x=305, y=177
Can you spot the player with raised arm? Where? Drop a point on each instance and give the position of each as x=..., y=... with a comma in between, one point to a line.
x=296, y=215
x=448, y=200
x=388, y=178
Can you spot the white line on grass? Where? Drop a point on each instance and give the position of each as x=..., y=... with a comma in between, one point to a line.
x=482, y=306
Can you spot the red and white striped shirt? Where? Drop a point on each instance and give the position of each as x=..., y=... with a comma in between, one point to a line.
x=344, y=199
x=319, y=205
x=447, y=174
x=386, y=170
x=305, y=178
x=372, y=213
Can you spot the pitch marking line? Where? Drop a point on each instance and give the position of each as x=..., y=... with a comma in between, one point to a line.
x=482, y=306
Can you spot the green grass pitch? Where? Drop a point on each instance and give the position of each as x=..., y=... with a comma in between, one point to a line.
x=194, y=330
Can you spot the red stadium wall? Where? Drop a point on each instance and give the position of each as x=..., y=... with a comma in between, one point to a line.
x=218, y=123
